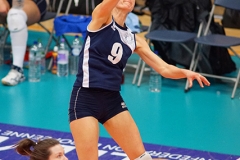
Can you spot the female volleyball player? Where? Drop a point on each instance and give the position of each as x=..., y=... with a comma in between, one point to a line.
x=95, y=96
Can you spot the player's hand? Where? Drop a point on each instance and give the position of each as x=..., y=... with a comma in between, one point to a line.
x=193, y=75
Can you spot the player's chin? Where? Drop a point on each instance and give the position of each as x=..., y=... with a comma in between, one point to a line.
x=128, y=10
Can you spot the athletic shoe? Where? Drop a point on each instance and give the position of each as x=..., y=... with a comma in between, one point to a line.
x=13, y=78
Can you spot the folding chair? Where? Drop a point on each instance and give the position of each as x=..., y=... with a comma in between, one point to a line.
x=51, y=15
x=140, y=62
x=140, y=65
x=219, y=41
x=172, y=36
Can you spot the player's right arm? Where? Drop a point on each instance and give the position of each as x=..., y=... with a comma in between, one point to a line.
x=102, y=14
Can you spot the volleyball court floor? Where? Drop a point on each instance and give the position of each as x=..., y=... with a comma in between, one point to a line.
x=202, y=124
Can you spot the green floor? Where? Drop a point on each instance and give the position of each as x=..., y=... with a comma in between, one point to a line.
x=203, y=119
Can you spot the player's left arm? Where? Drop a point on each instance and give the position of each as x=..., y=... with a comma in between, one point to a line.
x=166, y=70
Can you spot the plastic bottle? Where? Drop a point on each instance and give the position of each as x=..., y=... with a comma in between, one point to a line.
x=62, y=60
x=155, y=81
x=76, y=3
x=34, y=73
x=43, y=60
x=17, y=4
x=54, y=60
x=76, y=48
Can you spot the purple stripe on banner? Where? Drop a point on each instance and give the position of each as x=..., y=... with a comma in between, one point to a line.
x=108, y=149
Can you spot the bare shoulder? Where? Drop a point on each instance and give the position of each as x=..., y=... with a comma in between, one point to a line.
x=98, y=19
x=141, y=44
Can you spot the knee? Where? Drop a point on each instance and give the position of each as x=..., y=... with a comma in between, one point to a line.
x=16, y=20
x=144, y=156
x=4, y=7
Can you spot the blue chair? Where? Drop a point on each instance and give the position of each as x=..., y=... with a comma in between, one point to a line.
x=172, y=36
x=218, y=40
x=51, y=15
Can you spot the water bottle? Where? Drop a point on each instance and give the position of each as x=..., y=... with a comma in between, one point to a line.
x=42, y=53
x=76, y=3
x=155, y=81
x=18, y=4
x=62, y=60
x=76, y=48
x=54, y=60
x=34, y=73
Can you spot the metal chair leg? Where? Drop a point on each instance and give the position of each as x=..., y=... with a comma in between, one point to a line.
x=3, y=39
x=141, y=74
x=236, y=84
x=136, y=71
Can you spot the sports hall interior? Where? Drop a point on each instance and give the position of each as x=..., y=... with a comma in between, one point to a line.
x=205, y=119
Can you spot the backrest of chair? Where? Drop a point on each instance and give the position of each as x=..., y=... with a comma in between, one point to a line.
x=231, y=4
x=50, y=14
x=202, y=22
x=210, y=17
x=53, y=6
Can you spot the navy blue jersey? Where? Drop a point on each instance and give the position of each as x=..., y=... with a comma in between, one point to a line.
x=104, y=56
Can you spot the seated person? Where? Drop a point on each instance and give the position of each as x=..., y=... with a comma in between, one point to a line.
x=18, y=20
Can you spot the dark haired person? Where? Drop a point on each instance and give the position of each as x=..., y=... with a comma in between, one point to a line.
x=47, y=149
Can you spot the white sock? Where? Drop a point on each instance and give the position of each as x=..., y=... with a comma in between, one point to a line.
x=19, y=44
x=144, y=156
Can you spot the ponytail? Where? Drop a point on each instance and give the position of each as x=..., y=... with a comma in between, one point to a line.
x=25, y=147
x=36, y=151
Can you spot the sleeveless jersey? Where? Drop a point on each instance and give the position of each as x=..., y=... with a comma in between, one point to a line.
x=104, y=56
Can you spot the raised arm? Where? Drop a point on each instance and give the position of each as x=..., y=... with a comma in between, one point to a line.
x=166, y=70
x=102, y=14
